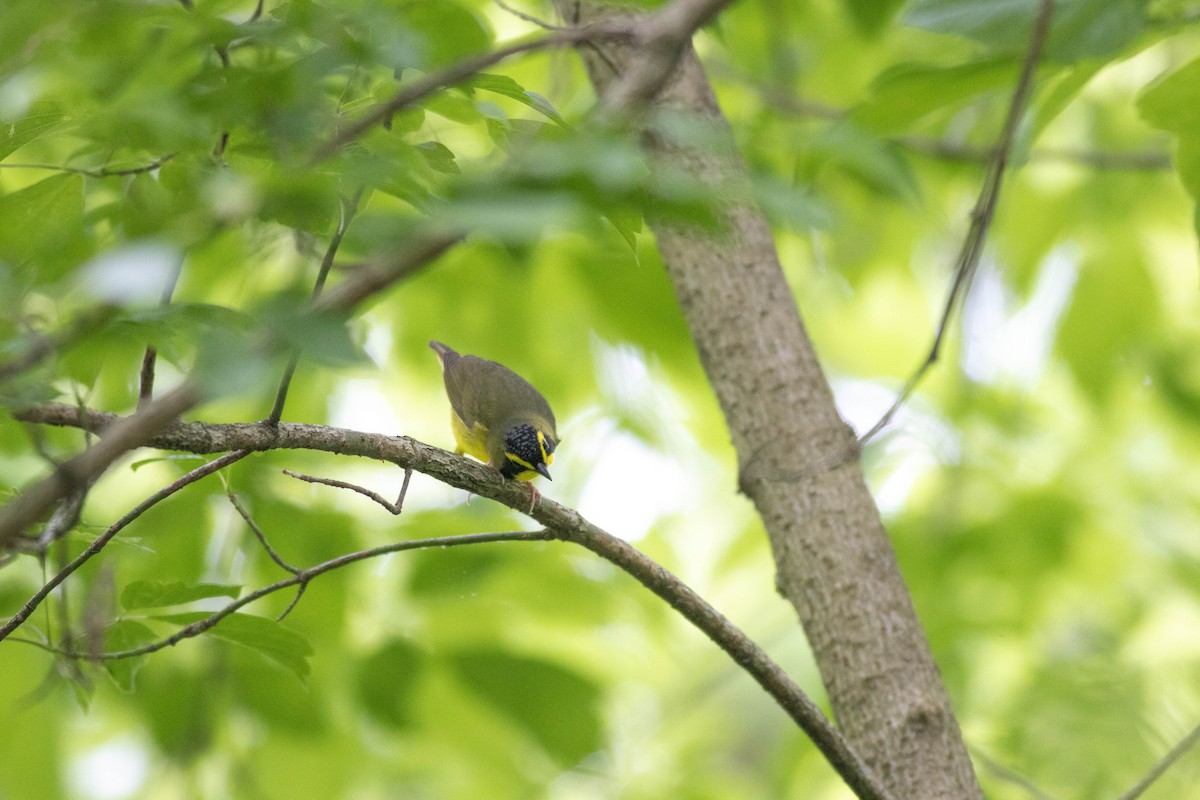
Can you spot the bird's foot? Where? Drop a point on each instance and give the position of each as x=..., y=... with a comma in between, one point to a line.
x=534, y=497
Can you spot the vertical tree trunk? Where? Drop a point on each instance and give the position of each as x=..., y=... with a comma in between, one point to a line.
x=835, y=561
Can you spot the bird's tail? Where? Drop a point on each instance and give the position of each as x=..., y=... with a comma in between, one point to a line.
x=447, y=355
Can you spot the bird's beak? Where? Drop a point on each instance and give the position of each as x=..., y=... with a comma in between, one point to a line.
x=545, y=473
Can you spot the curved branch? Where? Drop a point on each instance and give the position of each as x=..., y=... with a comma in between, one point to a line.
x=38, y=346
x=1162, y=765
x=131, y=432
x=981, y=215
x=393, y=508
x=347, y=210
x=562, y=523
x=98, y=544
x=302, y=577
x=457, y=73
x=102, y=172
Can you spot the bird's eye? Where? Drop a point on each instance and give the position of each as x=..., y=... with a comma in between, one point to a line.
x=549, y=444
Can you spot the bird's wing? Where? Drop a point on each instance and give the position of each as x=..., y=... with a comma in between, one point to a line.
x=464, y=402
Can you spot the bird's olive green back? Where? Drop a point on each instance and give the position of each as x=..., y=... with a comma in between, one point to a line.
x=485, y=392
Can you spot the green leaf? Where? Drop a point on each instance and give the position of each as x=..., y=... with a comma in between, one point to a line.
x=1172, y=102
x=871, y=16
x=324, y=336
x=875, y=162
x=305, y=200
x=1112, y=310
x=43, y=228
x=1059, y=93
x=41, y=119
x=179, y=708
x=387, y=682
x=556, y=706
x=177, y=457
x=906, y=93
x=1079, y=29
x=282, y=706
x=628, y=224
x=126, y=634
x=504, y=85
x=282, y=645
x=439, y=157
x=229, y=363
x=1187, y=161
x=1177, y=375
x=801, y=209
x=514, y=216
x=154, y=594
x=441, y=32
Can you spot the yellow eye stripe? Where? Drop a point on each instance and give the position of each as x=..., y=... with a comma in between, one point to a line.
x=547, y=458
x=518, y=460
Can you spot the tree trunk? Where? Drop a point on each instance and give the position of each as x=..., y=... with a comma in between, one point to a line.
x=835, y=561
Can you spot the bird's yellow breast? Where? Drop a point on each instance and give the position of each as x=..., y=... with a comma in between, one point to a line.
x=472, y=441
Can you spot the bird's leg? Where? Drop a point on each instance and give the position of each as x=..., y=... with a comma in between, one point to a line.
x=534, y=496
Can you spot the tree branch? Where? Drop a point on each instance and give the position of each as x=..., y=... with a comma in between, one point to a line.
x=27, y=507
x=455, y=74
x=150, y=358
x=789, y=103
x=103, y=172
x=662, y=38
x=347, y=208
x=39, y=346
x=981, y=216
x=303, y=577
x=564, y=523
x=1166, y=762
x=393, y=508
x=98, y=544
x=258, y=533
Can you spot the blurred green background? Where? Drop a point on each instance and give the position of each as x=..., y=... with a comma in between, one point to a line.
x=1041, y=487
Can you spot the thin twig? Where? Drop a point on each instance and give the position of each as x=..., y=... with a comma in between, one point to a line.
x=295, y=602
x=663, y=36
x=131, y=432
x=150, y=358
x=373, y=278
x=103, y=172
x=1010, y=776
x=262, y=537
x=347, y=210
x=1109, y=160
x=98, y=544
x=403, y=489
x=1162, y=765
x=395, y=508
x=541, y=23
x=981, y=215
x=456, y=73
x=64, y=518
x=39, y=346
x=307, y=575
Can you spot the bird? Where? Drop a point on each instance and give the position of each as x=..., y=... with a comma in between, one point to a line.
x=498, y=417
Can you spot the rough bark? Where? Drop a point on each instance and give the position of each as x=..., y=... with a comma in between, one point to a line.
x=835, y=562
